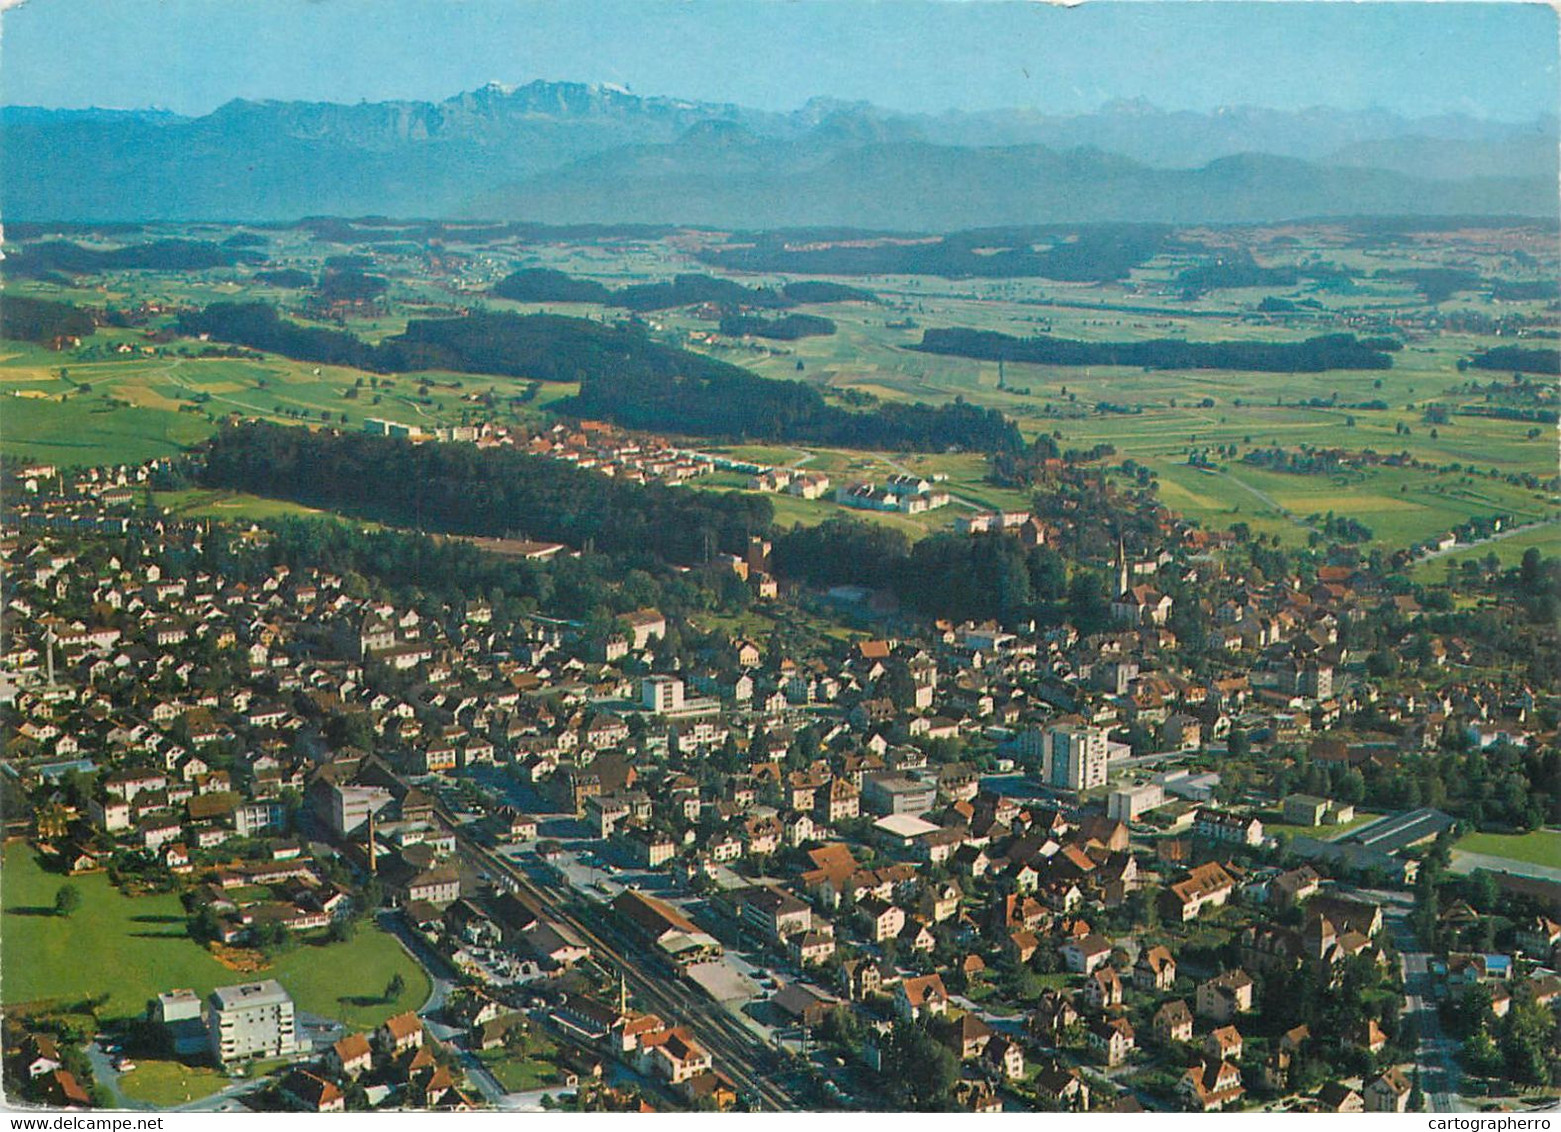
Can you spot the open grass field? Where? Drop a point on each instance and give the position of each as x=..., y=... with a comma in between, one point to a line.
x=168, y=1084
x=1541, y=847
x=131, y=948
x=199, y=503
x=130, y=408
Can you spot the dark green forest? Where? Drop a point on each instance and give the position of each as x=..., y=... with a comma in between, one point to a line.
x=61, y=257
x=458, y=489
x=1094, y=253
x=787, y=328
x=289, y=277
x=735, y=403
x=1518, y=359
x=1325, y=352
x=545, y=285
x=38, y=320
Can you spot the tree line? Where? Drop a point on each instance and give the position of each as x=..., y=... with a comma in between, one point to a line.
x=1314, y=355
x=734, y=403
x=543, y=346
x=63, y=256
x=1090, y=253
x=1239, y=269
x=547, y=285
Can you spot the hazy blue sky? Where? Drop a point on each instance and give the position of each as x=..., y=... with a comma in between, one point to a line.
x=1492, y=59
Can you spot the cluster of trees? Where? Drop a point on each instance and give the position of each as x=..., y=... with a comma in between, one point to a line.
x=787, y=328
x=919, y=1071
x=289, y=277
x=822, y=291
x=1331, y=1009
x=981, y=577
x=1343, y=528
x=39, y=320
x=458, y=489
x=1024, y=467
x=1437, y=284
x=546, y=347
x=1305, y=461
x=546, y=285
x=1519, y=359
x=1088, y=253
x=350, y=285
x=258, y=326
x=1524, y=290
x=686, y=290
x=1241, y=270
x=1511, y=413
x=1314, y=355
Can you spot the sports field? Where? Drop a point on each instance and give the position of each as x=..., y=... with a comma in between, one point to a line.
x=1541, y=847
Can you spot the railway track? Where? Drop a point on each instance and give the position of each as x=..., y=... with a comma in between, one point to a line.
x=737, y=1051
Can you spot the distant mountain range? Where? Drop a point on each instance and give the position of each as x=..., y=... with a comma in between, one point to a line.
x=571, y=152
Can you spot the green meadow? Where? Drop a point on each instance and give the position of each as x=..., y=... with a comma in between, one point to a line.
x=127, y=949
x=1541, y=847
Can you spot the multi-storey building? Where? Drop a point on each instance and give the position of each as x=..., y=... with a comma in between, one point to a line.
x=251, y=1020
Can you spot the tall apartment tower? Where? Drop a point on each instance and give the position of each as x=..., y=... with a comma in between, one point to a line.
x=1074, y=758
x=251, y=1020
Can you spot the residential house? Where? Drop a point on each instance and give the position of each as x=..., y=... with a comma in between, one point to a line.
x=1112, y=1039
x=1173, y=1023
x=1388, y=1091
x=921, y=995
x=1225, y=996
x=1155, y=969
x=1209, y=1086
x=1084, y=955
x=1204, y=886
x=349, y=1056
x=399, y=1033
x=1338, y=1097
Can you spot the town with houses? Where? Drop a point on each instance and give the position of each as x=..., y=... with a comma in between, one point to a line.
x=650, y=866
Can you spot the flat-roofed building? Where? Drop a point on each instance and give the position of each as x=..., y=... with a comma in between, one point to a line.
x=251, y=1020
x=898, y=794
x=1128, y=802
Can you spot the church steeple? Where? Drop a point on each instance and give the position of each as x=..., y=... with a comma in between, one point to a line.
x=1121, y=567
